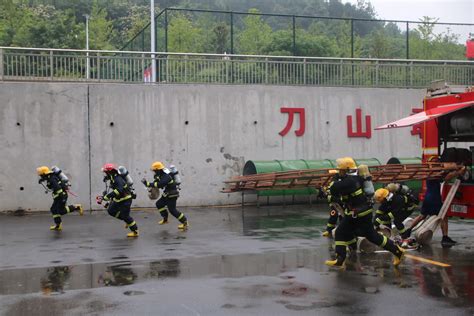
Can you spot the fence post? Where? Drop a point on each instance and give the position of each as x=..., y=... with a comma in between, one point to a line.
x=1, y=64
x=407, y=41
x=98, y=66
x=340, y=72
x=186, y=69
x=352, y=38
x=143, y=67
x=266, y=70
x=166, y=30
x=304, y=71
x=166, y=70
x=51, y=70
x=231, y=33
x=445, y=72
x=377, y=69
x=294, y=35
x=411, y=74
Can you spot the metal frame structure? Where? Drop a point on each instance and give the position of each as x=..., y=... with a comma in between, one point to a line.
x=293, y=18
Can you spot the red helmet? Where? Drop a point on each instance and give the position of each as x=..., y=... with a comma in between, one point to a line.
x=109, y=167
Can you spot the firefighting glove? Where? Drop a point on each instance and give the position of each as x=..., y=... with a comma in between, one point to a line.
x=145, y=182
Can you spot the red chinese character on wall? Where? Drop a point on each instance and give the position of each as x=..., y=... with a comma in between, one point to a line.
x=416, y=129
x=291, y=113
x=359, y=132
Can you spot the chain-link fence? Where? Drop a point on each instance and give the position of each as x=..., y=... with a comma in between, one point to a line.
x=212, y=31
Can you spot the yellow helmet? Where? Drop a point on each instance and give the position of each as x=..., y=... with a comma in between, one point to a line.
x=346, y=163
x=380, y=195
x=43, y=170
x=157, y=165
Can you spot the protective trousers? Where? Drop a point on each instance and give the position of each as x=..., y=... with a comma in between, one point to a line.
x=165, y=204
x=397, y=218
x=121, y=210
x=332, y=221
x=59, y=208
x=362, y=226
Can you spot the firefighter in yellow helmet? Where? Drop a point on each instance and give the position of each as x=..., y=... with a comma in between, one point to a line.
x=59, y=188
x=358, y=215
x=334, y=206
x=167, y=202
x=394, y=207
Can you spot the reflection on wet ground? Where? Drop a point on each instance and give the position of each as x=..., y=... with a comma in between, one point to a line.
x=231, y=262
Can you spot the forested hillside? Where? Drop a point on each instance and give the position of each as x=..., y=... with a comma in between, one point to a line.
x=114, y=23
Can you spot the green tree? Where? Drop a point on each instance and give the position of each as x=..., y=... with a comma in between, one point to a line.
x=183, y=36
x=100, y=29
x=255, y=36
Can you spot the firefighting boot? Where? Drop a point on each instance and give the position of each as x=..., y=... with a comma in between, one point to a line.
x=79, y=209
x=133, y=233
x=183, y=226
x=336, y=263
x=399, y=256
x=56, y=227
x=163, y=221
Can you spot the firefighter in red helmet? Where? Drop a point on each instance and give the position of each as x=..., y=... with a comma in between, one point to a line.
x=119, y=199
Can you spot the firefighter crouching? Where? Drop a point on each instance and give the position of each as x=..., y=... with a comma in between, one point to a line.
x=119, y=199
x=167, y=202
x=394, y=207
x=358, y=215
x=60, y=195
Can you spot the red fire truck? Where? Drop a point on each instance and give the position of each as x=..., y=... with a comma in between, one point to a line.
x=448, y=117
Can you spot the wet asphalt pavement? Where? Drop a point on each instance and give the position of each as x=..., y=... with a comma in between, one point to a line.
x=267, y=261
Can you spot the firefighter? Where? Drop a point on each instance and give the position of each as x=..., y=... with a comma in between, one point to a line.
x=393, y=207
x=358, y=215
x=334, y=206
x=60, y=195
x=167, y=202
x=119, y=199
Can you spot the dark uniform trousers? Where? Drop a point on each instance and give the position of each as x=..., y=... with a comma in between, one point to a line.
x=121, y=210
x=165, y=204
x=59, y=208
x=350, y=227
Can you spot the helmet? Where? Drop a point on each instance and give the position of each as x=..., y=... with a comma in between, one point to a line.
x=364, y=171
x=109, y=167
x=380, y=195
x=157, y=165
x=346, y=163
x=393, y=187
x=43, y=170
x=434, y=158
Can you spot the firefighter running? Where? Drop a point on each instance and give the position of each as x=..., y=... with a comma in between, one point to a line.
x=163, y=179
x=357, y=220
x=58, y=184
x=119, y=199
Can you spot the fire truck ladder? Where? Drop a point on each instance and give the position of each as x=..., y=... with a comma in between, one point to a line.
x=318, y=178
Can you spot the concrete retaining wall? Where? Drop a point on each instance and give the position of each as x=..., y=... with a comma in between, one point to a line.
x=208, y=131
